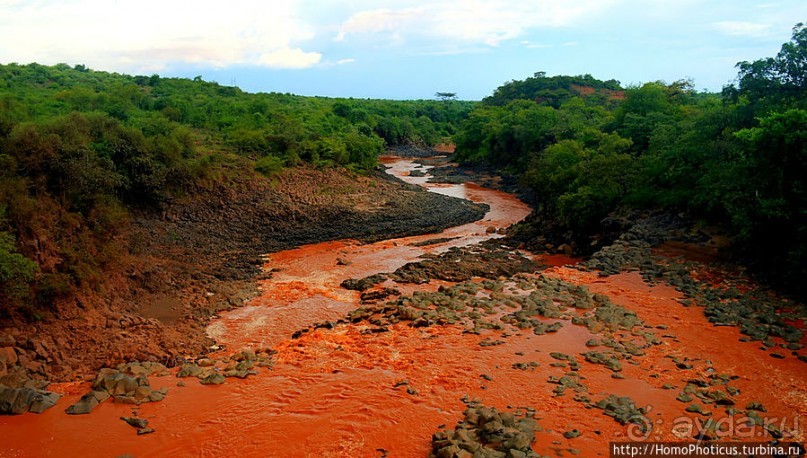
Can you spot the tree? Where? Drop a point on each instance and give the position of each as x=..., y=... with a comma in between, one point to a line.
x=16, y=271
x=780, y=79
x=446, y=96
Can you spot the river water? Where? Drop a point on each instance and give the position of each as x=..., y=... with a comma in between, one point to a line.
x=338, y=392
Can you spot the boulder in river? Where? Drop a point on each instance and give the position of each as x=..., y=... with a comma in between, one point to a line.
x=122, y=387
x=135, y=422
x=189, y=370
x=15, y=401
x=486, y=431
x=213, y=379
x=87, y=403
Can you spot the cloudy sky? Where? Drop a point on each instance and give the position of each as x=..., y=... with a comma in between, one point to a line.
x=399, y=48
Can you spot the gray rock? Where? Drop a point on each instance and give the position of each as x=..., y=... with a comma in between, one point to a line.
x=125, y=400
x=486, y=432
x=571, y=434
x=189, y=370
x=158, y=395
x=8, y=399
x=141, y=369
x=44, y=401
x=213, y=379
x=205, y=362
x=87, y=403
x=136, y=422
x=16, y=401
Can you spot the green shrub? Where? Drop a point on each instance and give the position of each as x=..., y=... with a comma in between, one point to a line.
x=268, y=166
x=16, y=271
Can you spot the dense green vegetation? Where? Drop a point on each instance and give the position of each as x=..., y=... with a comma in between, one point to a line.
x=587, y=147
x=81, y=150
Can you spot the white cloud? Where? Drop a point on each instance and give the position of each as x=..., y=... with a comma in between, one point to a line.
x=449, y=23
x=148, y=35
x=380, y=20
x=337, y=63
x=532, y=45
x=742, y=28
x=289, y=58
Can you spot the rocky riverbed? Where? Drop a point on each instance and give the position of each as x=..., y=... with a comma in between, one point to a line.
x=457, y=344
x=201, y=256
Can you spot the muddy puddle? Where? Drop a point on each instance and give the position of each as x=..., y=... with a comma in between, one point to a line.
x=354, y=392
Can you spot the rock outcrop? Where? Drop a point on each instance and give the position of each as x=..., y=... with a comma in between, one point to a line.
x=127, y=384
x=15, y=401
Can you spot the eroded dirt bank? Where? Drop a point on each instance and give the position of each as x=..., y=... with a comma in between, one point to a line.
x=200, y=257
x=624, y=346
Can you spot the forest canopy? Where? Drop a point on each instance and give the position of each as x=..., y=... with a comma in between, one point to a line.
x=736, y=159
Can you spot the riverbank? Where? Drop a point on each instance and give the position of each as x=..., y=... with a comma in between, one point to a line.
x=201, y=256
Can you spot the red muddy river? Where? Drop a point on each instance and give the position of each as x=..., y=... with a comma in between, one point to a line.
x=332, y=392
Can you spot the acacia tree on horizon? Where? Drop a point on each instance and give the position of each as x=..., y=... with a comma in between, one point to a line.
x=446, y=96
